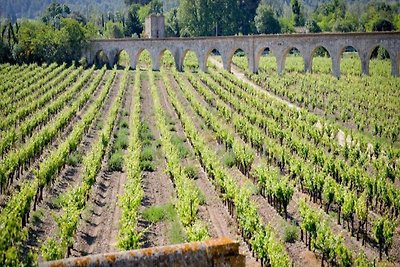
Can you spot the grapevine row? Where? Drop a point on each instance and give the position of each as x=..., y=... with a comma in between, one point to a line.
x=129, y=236
x=330, y=190
x=187, y=192
x=26, y=128
x=75, y=199
x=16, y=213
x=57, y=85
x=21, y=158
x=29, y=88
x=270, y=250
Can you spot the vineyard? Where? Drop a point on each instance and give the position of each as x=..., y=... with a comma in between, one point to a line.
x=302, y=169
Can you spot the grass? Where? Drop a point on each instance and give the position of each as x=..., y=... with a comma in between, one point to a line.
x=179, y=143
x=74, y=159
x=190, y=171
x=116, y=161
x=148, y=150
x=167, y=213
x=291, y=233
x=155, y=214
x=147, y=153
x=37, y=216
x=121, y=139
x=229, y=159
x=147, y=166
x=56, y=202
x=99, y=125
x=124, y=123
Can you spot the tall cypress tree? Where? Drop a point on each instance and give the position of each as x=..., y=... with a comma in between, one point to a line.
x=132, y=24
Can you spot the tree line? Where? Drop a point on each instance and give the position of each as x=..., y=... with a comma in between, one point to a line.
x=60, y=34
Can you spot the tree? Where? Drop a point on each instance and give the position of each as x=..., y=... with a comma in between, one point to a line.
x=172, y=27
x=199, y=17
x=156, y=6
x=383, y=25
x=312, y=26
x=265, y=20
x=73, y=41
x=247, y=12
x=114, y=30
x=132, y=24
x=298, y=15
x=54, y=12
x=133, y=2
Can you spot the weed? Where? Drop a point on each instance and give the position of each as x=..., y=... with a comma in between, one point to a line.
x=74, y=159
x=147, y=154
x=124, y=124
x=147, y=166
x=158, y=213
x=116, y=161
x=179, y=143
x=56, y=202
x=229, y=159
x=291, y=233
x=121, y=141
x=99, y=125
x=37, y=216
x=190, y=171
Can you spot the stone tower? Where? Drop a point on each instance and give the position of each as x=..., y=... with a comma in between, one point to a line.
x=155, y=26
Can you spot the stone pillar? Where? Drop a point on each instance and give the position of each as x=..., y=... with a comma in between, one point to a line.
x=156, y=60
x=364, y=63
x=395, y=64
x=336, y=64
x=178, y=60
x=203, y=63
x=133, y=60
x=307, y=57
x=252, y=62
x=226, y=60
x=280, y=61
x=111, y=55
x=88, y=56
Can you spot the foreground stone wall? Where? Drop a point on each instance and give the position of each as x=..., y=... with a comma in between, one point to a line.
x=253, y=46
x=212, y=253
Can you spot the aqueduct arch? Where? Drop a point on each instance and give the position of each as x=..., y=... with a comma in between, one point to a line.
x=279, y=44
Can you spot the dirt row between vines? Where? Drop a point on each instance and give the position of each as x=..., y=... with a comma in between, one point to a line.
x=158, y=188
x=98, y=231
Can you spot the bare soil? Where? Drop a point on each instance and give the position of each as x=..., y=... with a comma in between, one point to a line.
x=97, y=233
x=158, y=188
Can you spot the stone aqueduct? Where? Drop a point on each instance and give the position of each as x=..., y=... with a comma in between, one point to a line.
x=254, y=46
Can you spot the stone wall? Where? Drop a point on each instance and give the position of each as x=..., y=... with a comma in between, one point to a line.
x=221, y=252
